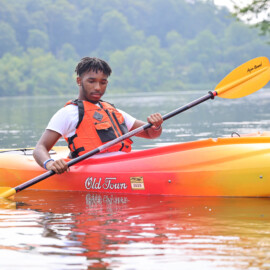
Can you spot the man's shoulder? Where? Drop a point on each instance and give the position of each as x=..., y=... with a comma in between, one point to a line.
x=70, y=109
x=64, y=120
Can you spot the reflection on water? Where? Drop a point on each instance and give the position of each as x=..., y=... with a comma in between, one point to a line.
x=72, y=230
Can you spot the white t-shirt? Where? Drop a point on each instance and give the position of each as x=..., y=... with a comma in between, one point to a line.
x=65, y=120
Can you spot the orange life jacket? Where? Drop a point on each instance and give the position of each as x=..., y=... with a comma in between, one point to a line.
x=96, y=126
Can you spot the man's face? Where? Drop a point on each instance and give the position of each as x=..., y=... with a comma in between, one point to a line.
x=92, y=86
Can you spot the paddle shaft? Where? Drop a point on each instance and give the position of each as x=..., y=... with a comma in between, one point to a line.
x=103, y=147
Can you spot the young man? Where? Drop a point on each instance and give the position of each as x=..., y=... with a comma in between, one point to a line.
x=88, y=122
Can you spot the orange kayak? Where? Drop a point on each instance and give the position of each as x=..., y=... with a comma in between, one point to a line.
x=237, y=166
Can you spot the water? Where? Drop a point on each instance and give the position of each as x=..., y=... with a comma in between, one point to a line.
x=73, y=230
x=23, y=119
x=68, y=230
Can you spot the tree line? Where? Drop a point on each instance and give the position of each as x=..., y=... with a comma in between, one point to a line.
x=152, y=45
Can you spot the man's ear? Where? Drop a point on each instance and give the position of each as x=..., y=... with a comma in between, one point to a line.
x=79, y=81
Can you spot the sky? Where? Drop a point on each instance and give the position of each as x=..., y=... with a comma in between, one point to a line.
x=229, y=4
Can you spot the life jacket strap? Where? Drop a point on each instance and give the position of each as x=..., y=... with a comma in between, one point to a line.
x=74, y=152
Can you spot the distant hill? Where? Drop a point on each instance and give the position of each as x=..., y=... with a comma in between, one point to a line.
x=152, y=45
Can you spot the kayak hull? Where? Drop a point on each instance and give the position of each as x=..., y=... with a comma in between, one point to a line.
x=212, y=167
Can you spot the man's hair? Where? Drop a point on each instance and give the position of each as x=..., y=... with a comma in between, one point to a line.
x=92, y=63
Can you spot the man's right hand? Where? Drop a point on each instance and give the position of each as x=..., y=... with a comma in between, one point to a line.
x=58, y=166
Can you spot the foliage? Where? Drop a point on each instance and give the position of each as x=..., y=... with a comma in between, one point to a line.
x=256, y=10
x=152, y=45
x=35, y=73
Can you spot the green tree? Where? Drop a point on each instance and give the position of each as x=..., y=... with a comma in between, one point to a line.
x=173, y=37
x=242, y=43
x=115, y=31
x=68, y=52
x=15, y=75
x=15, y=14
x=196, y=73
x=38, y=39
x=36, y=73
x=141, y=68
x=87, y=38
x=238, y=34
x=62, y=24
x=8, y=42
x=204, y=49
x=48, y=75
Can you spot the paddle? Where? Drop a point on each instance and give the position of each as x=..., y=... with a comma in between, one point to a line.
x=242, y=81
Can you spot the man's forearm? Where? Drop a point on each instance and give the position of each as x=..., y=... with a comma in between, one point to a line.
x=41, y=154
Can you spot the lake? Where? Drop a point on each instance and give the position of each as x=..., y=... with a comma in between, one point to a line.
x=79, y=230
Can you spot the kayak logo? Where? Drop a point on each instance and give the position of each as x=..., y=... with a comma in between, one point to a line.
x=108, y=183
x=137, y=183
x=253, y=68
